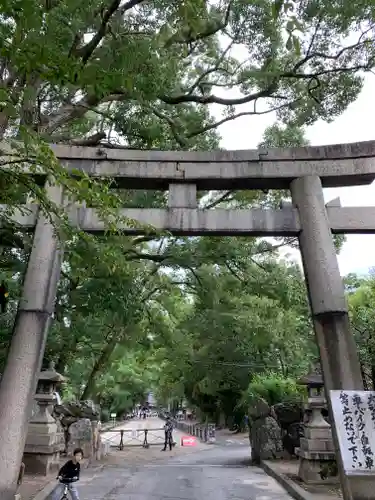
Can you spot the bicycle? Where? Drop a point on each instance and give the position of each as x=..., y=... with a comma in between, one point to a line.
x=66, y=482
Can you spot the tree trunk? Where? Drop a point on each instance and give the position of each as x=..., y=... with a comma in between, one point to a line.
x=364, y=377
x=373, y=373
x=62, y=361
x=372, y=357
x=98, y=368
x=68, y=348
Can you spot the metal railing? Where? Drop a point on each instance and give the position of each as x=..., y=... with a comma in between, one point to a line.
x=134, y=437
x=205, y=432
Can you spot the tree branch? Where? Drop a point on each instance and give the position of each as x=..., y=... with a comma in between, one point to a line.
x=92, y=140
x=311, y=55
x=233, y=272
x=217, y=124
x=129, y=5
x=134, y=255
x=211, y=29
x=179, y=139
x=210, y=70
x=216, y=202
x=87, y=50
x=213, y=99
x=67, y=112
x=258, y=264
x=267, y=92
x=196, y=276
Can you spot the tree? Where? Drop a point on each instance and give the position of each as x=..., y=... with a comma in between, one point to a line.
x=361, y=299
x=64, y=64
x=140, y=74
x=248, y=313
x=279, y=136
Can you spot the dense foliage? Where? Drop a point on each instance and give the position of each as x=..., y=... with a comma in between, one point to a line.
x=192, y=318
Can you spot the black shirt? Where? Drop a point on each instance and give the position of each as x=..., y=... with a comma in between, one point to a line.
x=168, y=427
x=70, y=470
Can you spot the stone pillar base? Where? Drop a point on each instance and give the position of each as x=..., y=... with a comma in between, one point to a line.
x=41, y=464
x=313, y=472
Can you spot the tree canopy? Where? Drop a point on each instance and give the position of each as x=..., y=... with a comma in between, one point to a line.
x=191, y=318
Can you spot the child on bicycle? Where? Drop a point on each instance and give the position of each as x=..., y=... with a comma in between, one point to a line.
x=68, y=475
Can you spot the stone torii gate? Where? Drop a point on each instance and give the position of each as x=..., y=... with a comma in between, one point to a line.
x=305, y=171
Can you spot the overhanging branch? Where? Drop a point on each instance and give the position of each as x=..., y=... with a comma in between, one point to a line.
x=189, y=37
x=87, y=50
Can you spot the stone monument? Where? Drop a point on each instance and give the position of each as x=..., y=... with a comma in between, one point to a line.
x=317, y=459
x=81, y=435
x=97, y=448
x=42, y=449
x=68, y=413
x=264, y=432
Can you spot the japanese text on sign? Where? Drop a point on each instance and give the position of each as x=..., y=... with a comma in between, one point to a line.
x=354, y=414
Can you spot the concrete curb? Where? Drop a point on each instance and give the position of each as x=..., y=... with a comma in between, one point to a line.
x=46, y=491
x=290, y=486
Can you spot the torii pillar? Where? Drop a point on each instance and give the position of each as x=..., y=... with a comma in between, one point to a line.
x=18, y=383
x=329, y=308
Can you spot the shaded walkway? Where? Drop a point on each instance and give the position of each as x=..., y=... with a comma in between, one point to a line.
x=216, y=473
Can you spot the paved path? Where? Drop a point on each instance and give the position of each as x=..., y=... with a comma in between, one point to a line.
x=209, y=473
x=236, y=442
x=227, y=438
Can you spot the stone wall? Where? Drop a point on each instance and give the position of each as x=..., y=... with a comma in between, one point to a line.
x=71, y=412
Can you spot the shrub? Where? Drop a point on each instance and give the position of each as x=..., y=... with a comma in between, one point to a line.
x=274, y=389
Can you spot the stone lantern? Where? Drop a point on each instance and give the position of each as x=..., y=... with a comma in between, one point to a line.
x=316, y=453
x=42, y=449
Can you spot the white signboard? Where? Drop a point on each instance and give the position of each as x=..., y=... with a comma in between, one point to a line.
x=113, y=415
x=354, y=414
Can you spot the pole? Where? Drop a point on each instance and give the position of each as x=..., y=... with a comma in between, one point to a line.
x=18, y=383
x=329, y=309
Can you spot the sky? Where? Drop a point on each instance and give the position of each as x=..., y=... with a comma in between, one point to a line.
x=357, y=123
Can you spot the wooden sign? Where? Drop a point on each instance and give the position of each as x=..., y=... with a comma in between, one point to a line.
x=354, y=414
